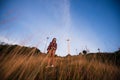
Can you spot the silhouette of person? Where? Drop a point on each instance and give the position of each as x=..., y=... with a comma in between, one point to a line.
x=51, y=52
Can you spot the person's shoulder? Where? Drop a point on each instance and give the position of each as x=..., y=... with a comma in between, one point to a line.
x=50, y=42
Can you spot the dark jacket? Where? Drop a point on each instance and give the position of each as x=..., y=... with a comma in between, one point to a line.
x=52, y=46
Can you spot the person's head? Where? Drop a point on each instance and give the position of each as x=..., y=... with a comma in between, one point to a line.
x=54, y=40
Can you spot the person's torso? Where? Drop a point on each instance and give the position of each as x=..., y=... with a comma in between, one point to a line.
x=53, y=45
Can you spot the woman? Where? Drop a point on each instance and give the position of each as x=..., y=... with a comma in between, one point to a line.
x=51, y=52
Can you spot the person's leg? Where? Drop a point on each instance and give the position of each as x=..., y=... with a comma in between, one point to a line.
x=48, y=61
x=53, y=54
x=49, y=58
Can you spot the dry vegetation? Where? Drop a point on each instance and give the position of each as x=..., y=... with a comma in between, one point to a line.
x=22, y=63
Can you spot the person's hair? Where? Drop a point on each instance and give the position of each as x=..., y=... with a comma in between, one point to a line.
x=54, y=39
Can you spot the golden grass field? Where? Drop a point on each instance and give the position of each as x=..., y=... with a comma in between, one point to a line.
x=19, y=64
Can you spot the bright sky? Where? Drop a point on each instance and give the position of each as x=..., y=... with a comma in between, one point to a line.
x=87, y=23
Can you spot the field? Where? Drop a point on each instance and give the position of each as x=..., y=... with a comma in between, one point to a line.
x=23, y=63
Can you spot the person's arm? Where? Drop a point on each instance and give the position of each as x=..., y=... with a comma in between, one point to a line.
x=49, y=46
x=55, y=46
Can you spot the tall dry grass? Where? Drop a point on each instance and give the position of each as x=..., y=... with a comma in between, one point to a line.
x=16, y=66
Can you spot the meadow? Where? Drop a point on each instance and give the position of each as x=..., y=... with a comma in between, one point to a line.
x=24, y=63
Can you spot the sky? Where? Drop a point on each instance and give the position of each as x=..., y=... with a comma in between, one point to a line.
x=90, y=24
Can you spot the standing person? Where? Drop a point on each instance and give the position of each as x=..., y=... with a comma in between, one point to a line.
x=51, y=52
